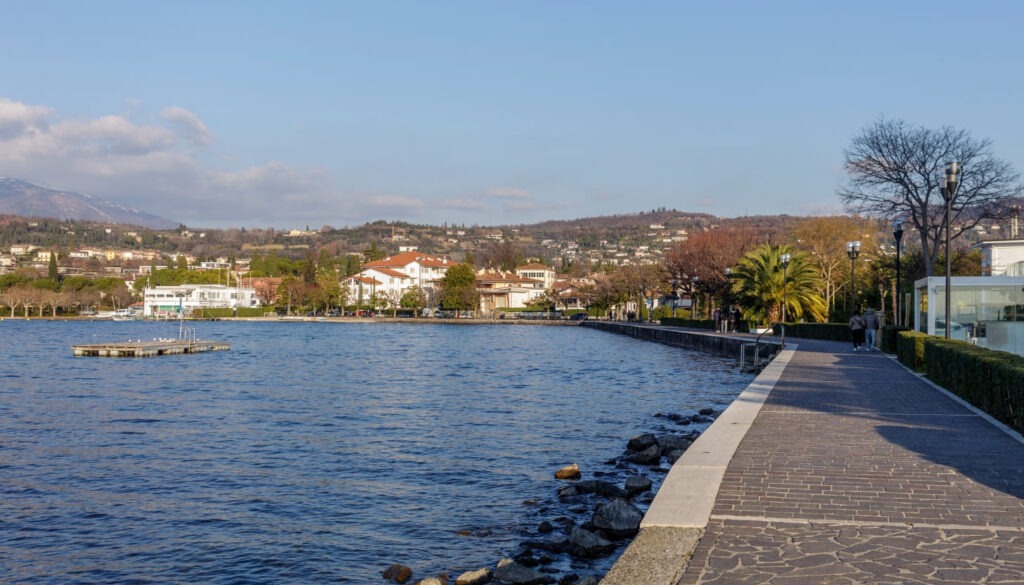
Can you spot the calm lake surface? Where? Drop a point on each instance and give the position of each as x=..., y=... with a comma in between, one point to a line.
x=312, y=452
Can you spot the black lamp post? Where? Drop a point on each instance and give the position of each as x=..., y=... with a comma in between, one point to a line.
x=949, y=187
x=852, y=250
x=897, y=232
x=785, y=265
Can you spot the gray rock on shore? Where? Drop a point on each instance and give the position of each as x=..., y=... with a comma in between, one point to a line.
x=510, y=572
x=637, y=484
x=585, y=544
x=649, y=456
x=618, y=519
x=642, y=442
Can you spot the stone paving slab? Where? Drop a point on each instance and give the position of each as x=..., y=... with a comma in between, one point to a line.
x=858, y=471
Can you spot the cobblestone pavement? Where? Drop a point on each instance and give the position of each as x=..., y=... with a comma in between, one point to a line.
x=857, y=471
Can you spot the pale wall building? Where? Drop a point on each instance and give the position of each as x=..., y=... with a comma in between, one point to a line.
x=166, y=301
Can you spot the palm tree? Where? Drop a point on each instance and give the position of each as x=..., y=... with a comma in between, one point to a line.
x=758, y=284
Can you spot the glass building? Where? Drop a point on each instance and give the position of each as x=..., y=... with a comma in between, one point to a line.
x=986, y=310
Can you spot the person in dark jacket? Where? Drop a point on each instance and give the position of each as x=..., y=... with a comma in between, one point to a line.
x=871, y=326
x=857, y=329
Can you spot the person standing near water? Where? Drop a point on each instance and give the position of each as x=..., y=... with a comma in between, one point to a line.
x=857, y=329
x=871, y=325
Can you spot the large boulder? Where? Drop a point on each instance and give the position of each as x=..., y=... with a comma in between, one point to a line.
x=510, y=572
x=649, y=456
x=556, y=544
x=599, y=487
x=478, y=577
x=618, y=519
x=587, y=545
x=568, y=472
x=670, y=443
x=641, y=442
x=637, y=484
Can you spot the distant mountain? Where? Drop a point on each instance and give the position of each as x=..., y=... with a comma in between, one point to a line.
x=25, y=199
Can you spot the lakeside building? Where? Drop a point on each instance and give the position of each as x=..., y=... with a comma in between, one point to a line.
x=985, y=310
x=391, y=277
x=538, y=271
x=506, y=290
x=167, y=301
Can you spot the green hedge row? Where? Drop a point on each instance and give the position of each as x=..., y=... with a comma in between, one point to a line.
x=889, y=336
x=708, y=324
x=990, y=380
x=223, y=313
x=910, y=349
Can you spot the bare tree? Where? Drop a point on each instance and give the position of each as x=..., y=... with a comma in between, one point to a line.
x=896, y=171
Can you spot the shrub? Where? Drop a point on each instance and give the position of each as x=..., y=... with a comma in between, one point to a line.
x=910, y=349
x=991, y=380
x=692, y=323
x=210, y=313
x=889, y=337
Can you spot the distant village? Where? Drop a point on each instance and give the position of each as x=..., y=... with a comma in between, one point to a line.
x=519, y=268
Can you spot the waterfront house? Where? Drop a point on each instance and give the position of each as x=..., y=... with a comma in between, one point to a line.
x=167, y=301
x=506, y=290
x=538, y=271
x=393, y=276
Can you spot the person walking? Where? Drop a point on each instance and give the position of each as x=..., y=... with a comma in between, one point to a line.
x=857, y=329
x=871, y=325
x=718, y=320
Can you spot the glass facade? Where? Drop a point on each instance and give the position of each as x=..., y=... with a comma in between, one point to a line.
x=986, y=310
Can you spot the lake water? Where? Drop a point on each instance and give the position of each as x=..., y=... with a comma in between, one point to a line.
x=313, y=452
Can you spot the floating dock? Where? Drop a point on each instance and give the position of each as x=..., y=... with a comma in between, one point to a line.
x=149, y=348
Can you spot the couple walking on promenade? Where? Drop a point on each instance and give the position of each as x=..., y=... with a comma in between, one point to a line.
x=845, y=471
x=863, y=329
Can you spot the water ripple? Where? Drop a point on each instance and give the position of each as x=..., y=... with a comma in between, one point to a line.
x=311, y=452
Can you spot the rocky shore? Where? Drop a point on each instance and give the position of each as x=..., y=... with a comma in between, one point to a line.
x=589, y=521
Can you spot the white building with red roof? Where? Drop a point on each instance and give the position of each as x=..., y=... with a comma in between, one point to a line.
x=390, y=278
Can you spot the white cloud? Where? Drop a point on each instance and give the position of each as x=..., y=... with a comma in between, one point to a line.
x=509, y=193
x=463, y=204
x=18, y=119
x=153, y=167
x=196, y=130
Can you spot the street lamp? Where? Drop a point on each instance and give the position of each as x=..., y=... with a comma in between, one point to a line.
x=897, y=232
x=852, y=250
x=948, y=188
x=785, y=265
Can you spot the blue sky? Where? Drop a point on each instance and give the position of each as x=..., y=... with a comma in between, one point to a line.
x=260, y=114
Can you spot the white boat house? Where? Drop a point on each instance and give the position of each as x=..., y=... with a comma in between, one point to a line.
x=171, y=301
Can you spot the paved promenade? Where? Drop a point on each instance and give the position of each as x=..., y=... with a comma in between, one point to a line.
x=851, y=470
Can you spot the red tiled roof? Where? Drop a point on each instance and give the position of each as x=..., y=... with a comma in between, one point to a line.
x=406, y=258
x=390, y=272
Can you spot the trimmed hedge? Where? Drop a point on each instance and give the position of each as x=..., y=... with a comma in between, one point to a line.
x=991, y=380
x=828, y=331
x=910, y=349
x=889, y=338
x=708, y=324
x=224, y=313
